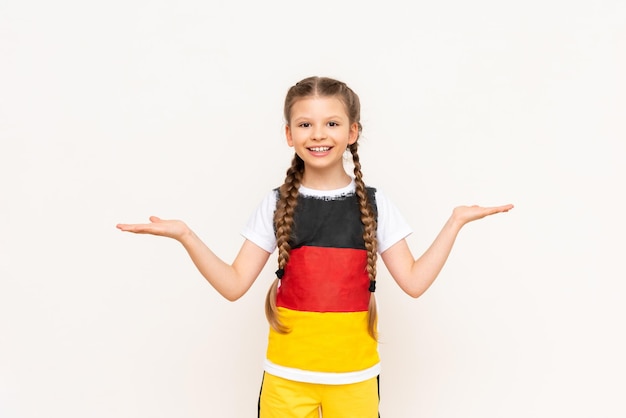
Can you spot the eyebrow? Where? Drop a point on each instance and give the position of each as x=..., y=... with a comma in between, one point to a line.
x=309, y=118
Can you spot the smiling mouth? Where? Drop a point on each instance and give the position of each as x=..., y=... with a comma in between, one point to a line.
x=319, y=149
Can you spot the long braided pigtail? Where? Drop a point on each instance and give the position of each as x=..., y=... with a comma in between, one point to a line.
x=283, y=222
x=368, y=219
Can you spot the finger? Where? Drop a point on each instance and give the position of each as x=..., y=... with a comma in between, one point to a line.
x=128, y=227
x=138, y=228
x=500, y=209
x=125, y=227
x=505, y=208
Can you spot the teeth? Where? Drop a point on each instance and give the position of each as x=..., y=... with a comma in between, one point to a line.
x=319, y=149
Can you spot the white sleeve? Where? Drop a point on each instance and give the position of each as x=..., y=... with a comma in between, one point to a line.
x=260, y=226
x=392, y=227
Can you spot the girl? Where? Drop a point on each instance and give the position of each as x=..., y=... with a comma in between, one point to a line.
x=329, y=228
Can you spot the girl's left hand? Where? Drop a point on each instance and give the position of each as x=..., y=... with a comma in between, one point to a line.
x=465, y=214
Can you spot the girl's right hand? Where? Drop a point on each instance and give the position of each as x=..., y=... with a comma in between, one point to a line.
x=165, y=228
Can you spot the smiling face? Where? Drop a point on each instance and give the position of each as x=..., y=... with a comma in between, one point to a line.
x=319, y=129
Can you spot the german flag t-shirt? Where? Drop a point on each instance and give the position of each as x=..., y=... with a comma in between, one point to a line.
x=323, y=296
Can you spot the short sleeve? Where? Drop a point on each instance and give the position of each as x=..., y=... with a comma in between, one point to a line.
x=260, y=226
x=392, y=227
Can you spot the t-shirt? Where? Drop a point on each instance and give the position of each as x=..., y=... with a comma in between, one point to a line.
x=323, y=296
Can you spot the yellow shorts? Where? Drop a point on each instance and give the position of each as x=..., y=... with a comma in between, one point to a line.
x=282, y=398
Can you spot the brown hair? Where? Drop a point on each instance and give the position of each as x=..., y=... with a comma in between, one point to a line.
x=288, y=193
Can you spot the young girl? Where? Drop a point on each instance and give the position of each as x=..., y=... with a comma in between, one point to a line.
x=329, y=228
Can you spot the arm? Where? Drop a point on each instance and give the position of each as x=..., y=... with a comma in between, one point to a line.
x=231, y=280
x=416, y=276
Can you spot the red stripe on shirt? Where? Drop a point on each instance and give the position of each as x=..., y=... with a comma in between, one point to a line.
x=322, y=279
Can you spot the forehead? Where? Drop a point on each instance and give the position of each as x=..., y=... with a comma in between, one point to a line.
x=318, y=106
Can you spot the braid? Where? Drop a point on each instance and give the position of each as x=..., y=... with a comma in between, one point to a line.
x=369, y=234
x=283, y=222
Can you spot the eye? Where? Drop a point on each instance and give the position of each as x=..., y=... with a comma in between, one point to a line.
x=333, y=124
x=304, y=125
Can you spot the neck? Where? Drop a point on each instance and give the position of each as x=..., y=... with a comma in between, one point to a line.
x=325, y=181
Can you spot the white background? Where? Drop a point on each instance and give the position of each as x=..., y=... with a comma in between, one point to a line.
x=114, y=111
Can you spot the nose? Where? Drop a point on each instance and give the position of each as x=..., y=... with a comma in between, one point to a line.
x=318, y=133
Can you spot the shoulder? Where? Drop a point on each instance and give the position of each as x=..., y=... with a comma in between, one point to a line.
x=378, y=194
x=371, y=190
x=267, y=204
x=392, y=226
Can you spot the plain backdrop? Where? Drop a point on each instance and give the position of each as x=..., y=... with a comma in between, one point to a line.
x=114, y=111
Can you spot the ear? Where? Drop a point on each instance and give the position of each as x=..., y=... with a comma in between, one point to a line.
x=288, y=136
x=354, y=133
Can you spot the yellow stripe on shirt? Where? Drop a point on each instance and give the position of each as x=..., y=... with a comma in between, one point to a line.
x=333, y=342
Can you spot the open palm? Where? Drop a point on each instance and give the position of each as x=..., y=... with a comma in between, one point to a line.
x=166, y=228
x=465, y=214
